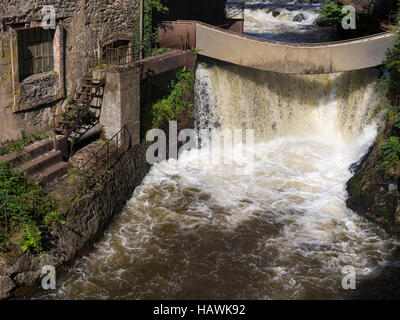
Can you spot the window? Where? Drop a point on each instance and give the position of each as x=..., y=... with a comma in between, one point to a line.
x=36, y=53
x=117, y=52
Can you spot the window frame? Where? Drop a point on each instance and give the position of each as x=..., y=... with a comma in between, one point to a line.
x=36, y=51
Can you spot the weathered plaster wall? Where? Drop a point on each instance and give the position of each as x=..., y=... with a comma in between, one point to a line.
x=121, y=103
x=85, y=26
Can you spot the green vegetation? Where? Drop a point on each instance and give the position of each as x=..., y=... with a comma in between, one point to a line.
x=100, y=64
x=390, y=84
x=24, y=141
x=331, y=13
x=178, y=101
x=25, y=209
x=153, y=89
x=391, y=152
x=150, y=33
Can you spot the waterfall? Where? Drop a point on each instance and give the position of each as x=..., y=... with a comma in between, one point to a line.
x=282, y=230
x=278, y=105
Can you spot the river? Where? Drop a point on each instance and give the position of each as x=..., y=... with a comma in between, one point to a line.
x=274, y=228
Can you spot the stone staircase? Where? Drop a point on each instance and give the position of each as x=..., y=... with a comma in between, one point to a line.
x=44, y=160
x=39, y=161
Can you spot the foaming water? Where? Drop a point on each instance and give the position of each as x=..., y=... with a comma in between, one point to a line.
x=289, y=22
x=278, y=230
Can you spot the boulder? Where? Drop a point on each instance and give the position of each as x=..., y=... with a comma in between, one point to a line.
x=6, y=286
x=276, y=13
x=300, y=17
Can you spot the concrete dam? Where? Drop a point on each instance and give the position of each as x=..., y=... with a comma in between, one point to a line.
x=276, y=56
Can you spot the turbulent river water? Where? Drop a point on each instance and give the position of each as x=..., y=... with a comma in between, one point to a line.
x=274, y=228
x=284, y=21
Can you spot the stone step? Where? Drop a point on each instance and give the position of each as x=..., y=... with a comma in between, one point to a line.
x=36, y=149
x=51, y=173
x=42, y=162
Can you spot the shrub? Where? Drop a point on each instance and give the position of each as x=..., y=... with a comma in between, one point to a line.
x=27, y=206
x=391, y=151
x=150, y=34
x=331, y=13
x=177, y=102
x=24, y=141
x=52, y=217
x=392, y=66
x=30, y=239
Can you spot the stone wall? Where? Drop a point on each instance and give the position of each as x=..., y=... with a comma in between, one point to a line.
x=84, y=27
x=85, y=223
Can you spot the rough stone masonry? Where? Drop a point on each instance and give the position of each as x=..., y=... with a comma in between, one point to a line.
x=83, y=29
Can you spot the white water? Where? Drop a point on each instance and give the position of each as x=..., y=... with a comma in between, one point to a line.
x=278, y=230
x=261, y=22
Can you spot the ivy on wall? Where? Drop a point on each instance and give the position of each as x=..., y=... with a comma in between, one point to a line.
x=150, y=33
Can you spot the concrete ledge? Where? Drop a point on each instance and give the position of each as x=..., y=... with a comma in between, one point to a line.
x=282, y=57
x=292, y=58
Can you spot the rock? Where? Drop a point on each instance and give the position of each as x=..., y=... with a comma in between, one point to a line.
x=299, y=17
x=6, y=286
x=275, y=13
x=26, y=278
x=397, y=214
x=323, y=23
x=21, y=265
x=374, y=193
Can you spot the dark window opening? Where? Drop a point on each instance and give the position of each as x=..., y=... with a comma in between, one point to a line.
x=117, y=52
x=36, y=51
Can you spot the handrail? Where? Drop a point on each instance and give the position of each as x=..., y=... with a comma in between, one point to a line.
x=127, y=54
x=32, y=197
x=240, y=5
x=122, y=137
x=75, y=119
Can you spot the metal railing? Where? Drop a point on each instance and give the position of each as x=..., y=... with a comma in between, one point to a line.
x=80, y=115
x=71, y=122
x=85, y=178
x=91, y=172
x=236, y=11
x=130, y=54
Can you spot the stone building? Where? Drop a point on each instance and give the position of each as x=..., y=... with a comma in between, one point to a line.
x=40, y=67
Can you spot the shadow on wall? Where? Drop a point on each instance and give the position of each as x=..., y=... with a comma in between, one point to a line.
x=209, y=11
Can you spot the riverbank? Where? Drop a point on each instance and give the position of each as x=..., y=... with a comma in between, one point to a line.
x=89, y=212
x=84, y=223
x=374, y=193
